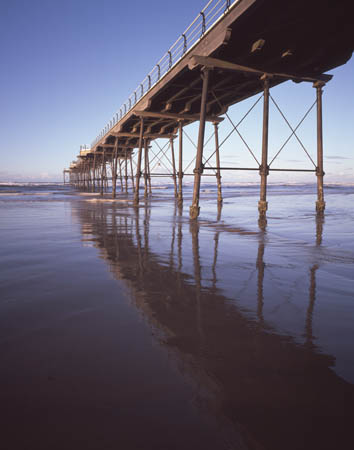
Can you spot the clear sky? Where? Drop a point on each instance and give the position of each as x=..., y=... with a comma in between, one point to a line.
x=68, y=65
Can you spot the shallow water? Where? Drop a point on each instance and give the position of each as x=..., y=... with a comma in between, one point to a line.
x=137, y=329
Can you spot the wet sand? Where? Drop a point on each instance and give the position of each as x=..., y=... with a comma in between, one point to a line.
x=136, y=329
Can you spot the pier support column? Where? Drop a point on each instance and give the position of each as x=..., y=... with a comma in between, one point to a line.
x=138, y=168
x=132, y=172
x=194, y=209
x=88, y=180
x=173, y=167
x=320, y=204
x=114, y=168
x=120, y=162
x=103, y=172
x=126, y=171
x=264, y=169
x=180, y=163
x=94, y=173
x=217, y=154
x=83, y=176
x=146, y=167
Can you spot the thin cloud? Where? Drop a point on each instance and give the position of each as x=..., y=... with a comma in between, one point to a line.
x=336, y=157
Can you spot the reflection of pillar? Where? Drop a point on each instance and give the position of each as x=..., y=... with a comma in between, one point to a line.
x=309, y=312
x=173, y=166
x=320, y=204
x=180, y=163
x=197, y=275
x=173, y=238
x=179, y=247
x=219, y=211
x=260, y=280
x=194, y=209
x=319, y=228
x=217, y=154
x=264, y=169
x=216, y=244
x=138, y=168
x=115, y=233
x=138, y=242
x=312, y=292
x=146, y=233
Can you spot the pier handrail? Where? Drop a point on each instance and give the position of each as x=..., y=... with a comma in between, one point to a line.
x=205, y=20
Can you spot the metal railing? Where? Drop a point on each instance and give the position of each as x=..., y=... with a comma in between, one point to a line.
x=206, y=19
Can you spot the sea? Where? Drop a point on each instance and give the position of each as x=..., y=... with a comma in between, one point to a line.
x=125, y=327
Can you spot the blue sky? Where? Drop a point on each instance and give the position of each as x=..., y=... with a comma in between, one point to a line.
x=68, y=66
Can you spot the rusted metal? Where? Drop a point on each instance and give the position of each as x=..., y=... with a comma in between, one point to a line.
x=194, y=209
x=114, y=169
x=132, y=172
x=138, y=169
x=146, y=159
x=217, y=155
x=103, y=172
x=264, y=169
x=174, y=168
x=320, y=204
x=180, y=163
x=126, y=171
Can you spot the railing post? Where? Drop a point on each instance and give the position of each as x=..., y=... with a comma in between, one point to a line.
x=194, y=209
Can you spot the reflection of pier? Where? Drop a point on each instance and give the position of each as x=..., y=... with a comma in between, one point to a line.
x=279, y=393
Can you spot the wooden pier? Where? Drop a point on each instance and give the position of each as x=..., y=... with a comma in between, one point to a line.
x=232, y=51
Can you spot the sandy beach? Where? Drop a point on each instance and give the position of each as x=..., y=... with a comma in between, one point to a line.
x=135, y=328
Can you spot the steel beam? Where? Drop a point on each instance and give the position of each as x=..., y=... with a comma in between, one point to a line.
x=264, y=169
x=217, y=154
x=212, y=63
x=138, y=169
x=176, y=116
x=194, y=209
x=180, y=163
x=320, y=204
